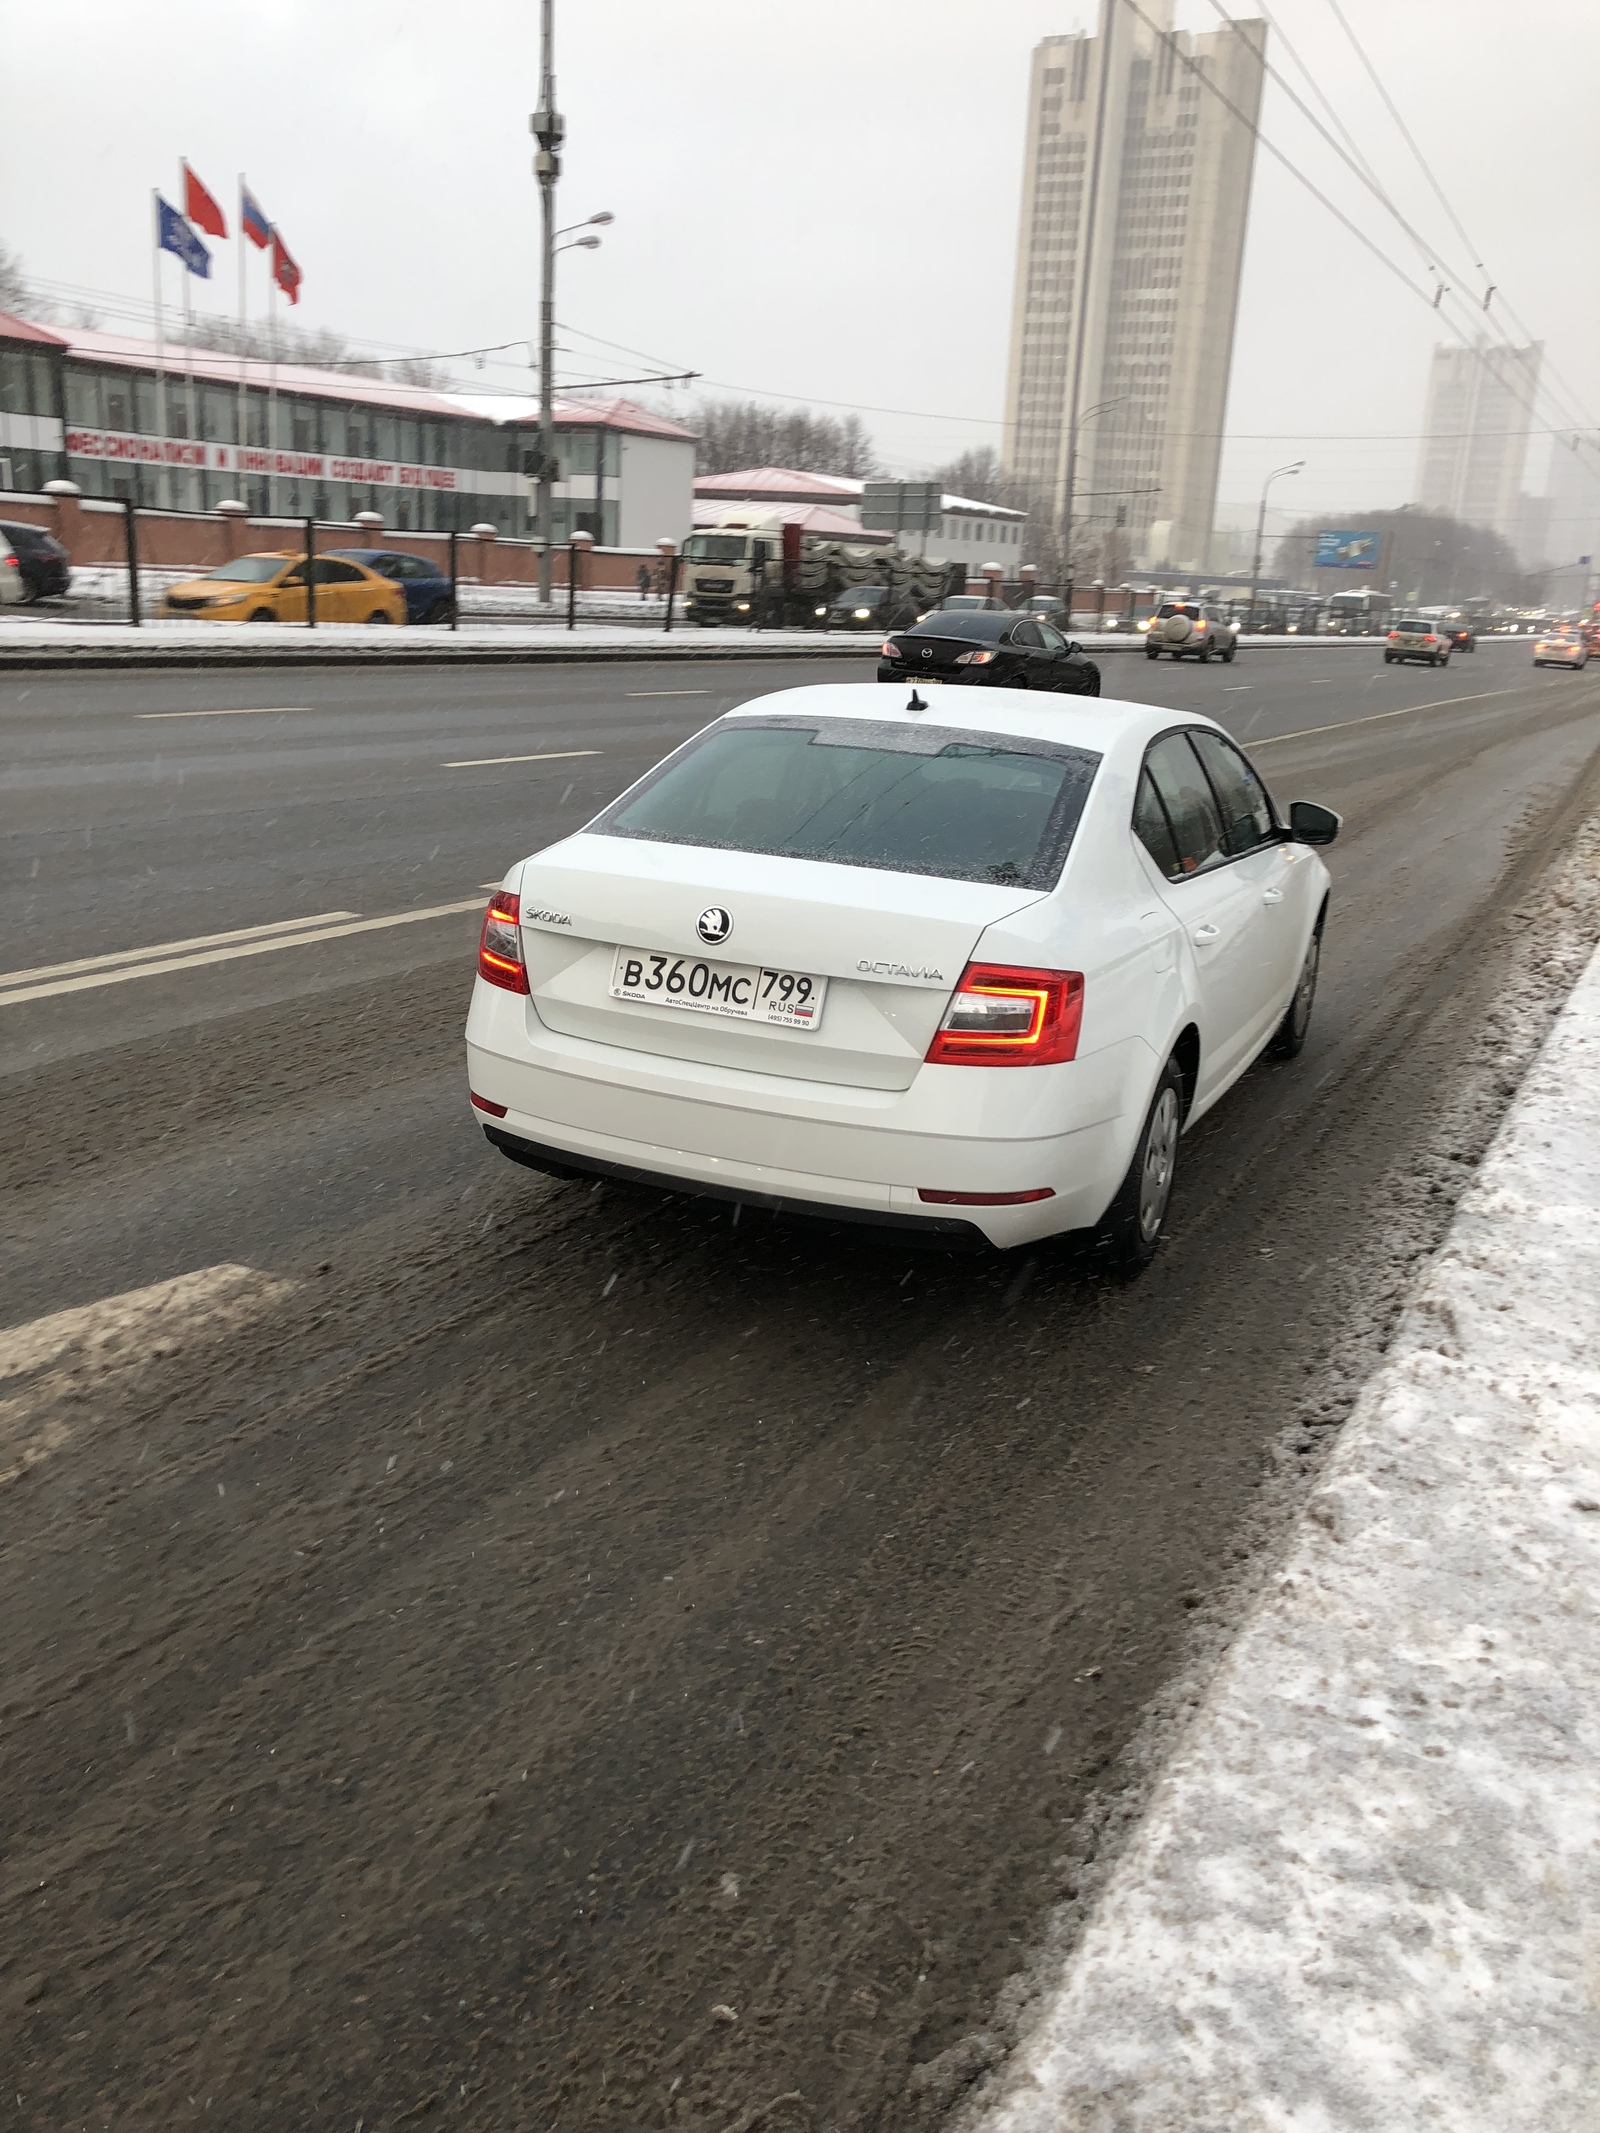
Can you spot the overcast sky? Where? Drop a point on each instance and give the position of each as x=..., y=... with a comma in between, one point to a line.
x=815, y=201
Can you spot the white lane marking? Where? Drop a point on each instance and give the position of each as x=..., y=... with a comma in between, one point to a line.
x=638, y=696
x=249, y=711
x=556, y=755
x=228, y=955
x=47, y=1365
x=1405, y=711
x=1238, y=688
x=141, y=955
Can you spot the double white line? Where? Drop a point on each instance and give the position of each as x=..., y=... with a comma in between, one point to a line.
x=49, y=979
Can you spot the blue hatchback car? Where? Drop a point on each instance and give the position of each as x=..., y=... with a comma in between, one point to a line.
x=426, y=588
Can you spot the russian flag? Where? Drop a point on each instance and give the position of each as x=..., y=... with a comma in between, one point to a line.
x=256, y=226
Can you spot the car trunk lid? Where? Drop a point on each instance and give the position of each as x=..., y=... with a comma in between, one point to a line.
x=891, y=947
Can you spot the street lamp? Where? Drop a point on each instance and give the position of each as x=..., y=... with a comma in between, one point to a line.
x=549, y=129
x=1078, y=423
x=1261, y=523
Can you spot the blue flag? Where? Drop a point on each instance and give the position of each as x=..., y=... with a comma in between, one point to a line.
x=178, y=236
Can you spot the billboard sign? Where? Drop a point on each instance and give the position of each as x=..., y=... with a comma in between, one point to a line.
x=1343, y=550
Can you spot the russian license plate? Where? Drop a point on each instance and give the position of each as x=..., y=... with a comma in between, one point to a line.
x=744, y=992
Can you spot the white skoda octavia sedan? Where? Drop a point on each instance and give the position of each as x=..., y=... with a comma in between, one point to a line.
x=961, y=962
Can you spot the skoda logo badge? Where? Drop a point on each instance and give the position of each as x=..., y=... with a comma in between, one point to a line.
x=713, y=925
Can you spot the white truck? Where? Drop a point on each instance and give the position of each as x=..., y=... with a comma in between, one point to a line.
x=753, y=567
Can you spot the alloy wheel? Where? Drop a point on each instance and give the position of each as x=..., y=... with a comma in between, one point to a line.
x=1160, y=1152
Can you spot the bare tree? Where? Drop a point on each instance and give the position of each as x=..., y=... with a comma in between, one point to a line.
x=735, y=434
x=17, y=293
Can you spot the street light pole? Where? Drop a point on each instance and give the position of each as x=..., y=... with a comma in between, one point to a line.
x=549, y=129
x=1261, y=527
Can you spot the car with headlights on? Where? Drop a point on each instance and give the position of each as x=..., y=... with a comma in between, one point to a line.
x=1417, y=637
x=272, y=588
x=1187, y=629
x=1561, y=648
x=869, y=607
x=943, y=963
x=988, y=650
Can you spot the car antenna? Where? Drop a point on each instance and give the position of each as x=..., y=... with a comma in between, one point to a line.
x=916, y=703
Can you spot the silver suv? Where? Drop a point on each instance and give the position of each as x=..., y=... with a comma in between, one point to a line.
x=1189, y=629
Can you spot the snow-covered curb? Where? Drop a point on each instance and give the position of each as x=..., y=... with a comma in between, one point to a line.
x=1364, y=1898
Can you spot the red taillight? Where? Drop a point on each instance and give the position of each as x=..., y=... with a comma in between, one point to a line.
x=889, y=650
x=986, y=1199
x=483, y=1104
x=1000, y=1015
x=976, y=659
x=500, y=944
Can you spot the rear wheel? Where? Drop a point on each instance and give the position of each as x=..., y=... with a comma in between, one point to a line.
x=1388, y=659
x=1132, y=1225
x=377, y=615
x=1227, y=657
x=1152, y=653
x=1290, y=1037
x=263, y=614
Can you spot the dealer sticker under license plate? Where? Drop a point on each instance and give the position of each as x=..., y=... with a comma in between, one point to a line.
x=743, y=991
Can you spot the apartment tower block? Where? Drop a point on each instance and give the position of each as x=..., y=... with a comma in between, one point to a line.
x=1136, y=189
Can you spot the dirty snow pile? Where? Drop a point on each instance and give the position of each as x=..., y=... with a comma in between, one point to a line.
x=1365, y=1898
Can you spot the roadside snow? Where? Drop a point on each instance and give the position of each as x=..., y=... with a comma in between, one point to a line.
x=1366, y=1897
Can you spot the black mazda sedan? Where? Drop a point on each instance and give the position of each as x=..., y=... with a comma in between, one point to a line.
x=994, y=651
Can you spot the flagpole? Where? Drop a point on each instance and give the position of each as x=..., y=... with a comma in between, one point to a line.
x=272, y=386
x=161, y=352
x=179, y=483
x=240, y=424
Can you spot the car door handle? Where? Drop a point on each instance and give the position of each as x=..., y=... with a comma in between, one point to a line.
x=1272, y=896
x=1204, y=935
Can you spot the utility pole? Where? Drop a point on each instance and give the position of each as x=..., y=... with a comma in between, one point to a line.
x=549, y=129
x=1261, y=527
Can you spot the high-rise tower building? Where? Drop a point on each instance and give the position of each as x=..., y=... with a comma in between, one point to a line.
x=1475, y=433
x=1135, y=191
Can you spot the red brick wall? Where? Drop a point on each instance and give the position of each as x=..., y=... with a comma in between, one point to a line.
x=174, y=540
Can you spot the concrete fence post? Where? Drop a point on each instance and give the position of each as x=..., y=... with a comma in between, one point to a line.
x=67, y=513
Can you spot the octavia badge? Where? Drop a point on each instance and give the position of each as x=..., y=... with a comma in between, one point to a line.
x=713, y=925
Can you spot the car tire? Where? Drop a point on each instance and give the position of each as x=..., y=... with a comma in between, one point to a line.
x=263, y=614
x=1289, y=1039
x=1131, y=1229
x=377, y=615
x=1152, y=655
x=1228, y=655
x=1388, y=659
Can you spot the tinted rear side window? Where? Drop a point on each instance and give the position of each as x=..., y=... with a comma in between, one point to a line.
x=967, y=806
x=1150, y=827
x=1174, y=770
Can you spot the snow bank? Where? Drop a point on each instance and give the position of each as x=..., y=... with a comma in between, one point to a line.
x=1366, y=1897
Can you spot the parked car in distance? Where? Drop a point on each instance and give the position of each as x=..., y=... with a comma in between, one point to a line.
x=1003, y=651
x=42, y=563
x=12, y=589
x=1561, y=648
x=1417, y=637
x=424, y=584
x=944, y=963
x=1045, y=604
x=1189, y=630
x=272, y=588
x=869, y=607
x=975, y=603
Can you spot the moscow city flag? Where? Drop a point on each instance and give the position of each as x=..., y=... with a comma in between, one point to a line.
x=256, y=226
x=175, y=235
x=284, y=271
x=200, y=207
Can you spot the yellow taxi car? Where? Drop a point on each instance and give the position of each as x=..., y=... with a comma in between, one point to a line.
x=1561, y=648
x=272, y=588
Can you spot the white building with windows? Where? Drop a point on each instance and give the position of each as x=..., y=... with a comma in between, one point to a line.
x=1135, y=193
x=926, y=521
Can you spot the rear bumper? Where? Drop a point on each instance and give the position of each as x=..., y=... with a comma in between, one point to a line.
x=852, y=1154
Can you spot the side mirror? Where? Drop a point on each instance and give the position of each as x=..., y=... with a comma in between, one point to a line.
x=1311, y=824
x=1074, y=648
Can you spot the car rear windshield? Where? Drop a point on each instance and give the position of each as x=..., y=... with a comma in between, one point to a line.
x=988, y=629
x=251, y=569
x=26, y=540
x=924, y=800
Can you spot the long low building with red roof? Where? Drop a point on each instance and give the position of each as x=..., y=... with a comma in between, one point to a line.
x=182, y=430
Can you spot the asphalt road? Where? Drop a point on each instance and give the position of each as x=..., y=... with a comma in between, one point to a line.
x=544, y=1655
